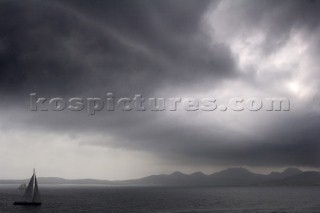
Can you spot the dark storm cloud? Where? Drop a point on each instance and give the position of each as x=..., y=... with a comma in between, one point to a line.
x=60, y=48
x=32, y=57
x=292, y=142
x=72, y=48
x=295, y=142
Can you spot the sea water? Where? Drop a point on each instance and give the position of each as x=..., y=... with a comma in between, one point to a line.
x=95, y=198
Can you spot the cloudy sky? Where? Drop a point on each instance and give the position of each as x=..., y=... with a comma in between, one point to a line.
x=168, y=48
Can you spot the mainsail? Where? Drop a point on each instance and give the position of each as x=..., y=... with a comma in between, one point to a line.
x=28, y=194
x=36, y=194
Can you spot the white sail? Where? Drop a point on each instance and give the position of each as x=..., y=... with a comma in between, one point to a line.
x=28, y=195
x=36, y=194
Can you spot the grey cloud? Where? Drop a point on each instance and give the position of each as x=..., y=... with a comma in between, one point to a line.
x=275, y=18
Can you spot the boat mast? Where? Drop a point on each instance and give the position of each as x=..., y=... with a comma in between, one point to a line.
x=34, y=182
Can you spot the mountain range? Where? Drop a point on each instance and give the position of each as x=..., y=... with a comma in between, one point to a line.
x=227, y=177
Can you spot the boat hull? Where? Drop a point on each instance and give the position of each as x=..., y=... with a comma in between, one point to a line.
x=27, y=203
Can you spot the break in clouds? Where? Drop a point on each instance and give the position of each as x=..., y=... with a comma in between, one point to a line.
x=180, y=48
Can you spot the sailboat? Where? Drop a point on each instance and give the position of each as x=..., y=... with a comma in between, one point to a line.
x=23, y=187
x=31, y=195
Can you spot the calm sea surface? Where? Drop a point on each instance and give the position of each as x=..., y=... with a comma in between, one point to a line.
x=68, y=198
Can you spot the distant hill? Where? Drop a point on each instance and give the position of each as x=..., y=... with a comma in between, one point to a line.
x=237, y=176
x=302, y=179
x=286, y=173
x=227, y=177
